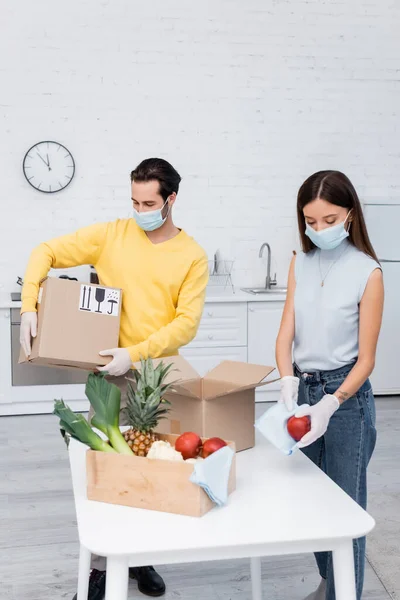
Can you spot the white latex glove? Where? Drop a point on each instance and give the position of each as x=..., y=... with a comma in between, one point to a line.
x=120, y=364
x=289, y=391
x=28, y=330
x=320, y=415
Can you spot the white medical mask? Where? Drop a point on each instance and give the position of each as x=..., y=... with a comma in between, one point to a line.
x=329, y=238
x=150, y=219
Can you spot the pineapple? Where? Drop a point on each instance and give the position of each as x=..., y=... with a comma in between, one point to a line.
x=146, y=405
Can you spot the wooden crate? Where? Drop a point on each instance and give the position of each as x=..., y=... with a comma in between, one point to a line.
x=149, y=483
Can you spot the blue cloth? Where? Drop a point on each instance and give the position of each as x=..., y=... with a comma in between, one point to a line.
x=212, y=474
x=343, y=452
x=272, y=425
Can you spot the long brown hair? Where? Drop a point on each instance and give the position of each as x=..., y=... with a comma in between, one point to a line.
x=336, y=188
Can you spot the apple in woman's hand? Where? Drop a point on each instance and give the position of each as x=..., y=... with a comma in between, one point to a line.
x=298, y=427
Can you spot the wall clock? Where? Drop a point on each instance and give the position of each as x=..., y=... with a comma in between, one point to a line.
x=48, y=167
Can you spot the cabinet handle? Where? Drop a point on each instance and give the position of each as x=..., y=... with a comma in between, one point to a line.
x=6, y=315
x=210, y=314
x=210, y=337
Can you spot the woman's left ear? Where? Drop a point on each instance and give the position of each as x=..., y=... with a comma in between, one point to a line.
x=349, y=218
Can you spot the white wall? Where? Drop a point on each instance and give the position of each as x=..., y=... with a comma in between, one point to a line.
x=245, y=98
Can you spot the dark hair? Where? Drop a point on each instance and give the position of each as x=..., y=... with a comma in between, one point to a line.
x=336, y=188
x=158, y=169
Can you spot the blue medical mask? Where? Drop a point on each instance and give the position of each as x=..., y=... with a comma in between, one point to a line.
x=329, y=238
x=150, y=219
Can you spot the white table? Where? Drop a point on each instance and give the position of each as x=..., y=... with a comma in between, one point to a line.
x=282, y=505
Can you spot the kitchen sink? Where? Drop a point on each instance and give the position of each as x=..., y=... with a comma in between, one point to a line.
x=262, y=290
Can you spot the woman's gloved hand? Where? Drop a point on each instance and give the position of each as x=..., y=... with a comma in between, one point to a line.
x=320, y=415
x=28, y=331
x=289, y=391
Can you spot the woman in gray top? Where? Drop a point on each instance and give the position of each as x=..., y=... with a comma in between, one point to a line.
x=330, y=325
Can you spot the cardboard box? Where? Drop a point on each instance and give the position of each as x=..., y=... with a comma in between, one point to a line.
x=148, y=483
x=75, y=322
x=221, y=404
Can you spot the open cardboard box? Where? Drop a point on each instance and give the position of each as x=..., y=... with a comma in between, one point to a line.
x=221, y=404
x=152, y=484
x=75, y=322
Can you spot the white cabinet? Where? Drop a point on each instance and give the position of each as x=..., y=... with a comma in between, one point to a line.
x=22, y=400
x=222, y=335
x=205, y=359
x=264, y=320
x=243, y=331
x=386, y=376
x=5, y=358
x=222, y=324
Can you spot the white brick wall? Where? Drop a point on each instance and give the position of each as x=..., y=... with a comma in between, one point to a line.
x=245, y=98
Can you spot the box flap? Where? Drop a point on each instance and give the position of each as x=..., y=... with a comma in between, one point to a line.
x=187, y=379
x=231, y=376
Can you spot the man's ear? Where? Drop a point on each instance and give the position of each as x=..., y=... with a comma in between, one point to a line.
x=171, y=199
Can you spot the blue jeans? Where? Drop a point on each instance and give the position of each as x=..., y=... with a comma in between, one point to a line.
x=343, y=453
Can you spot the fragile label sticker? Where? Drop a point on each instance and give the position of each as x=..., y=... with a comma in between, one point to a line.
x=104, y=301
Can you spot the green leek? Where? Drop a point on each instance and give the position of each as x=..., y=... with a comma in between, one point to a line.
x=77, y=427
x=105, y=398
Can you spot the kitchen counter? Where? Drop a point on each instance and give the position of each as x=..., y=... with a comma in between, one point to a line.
x=212, y=296
x=240, y=296
x=6, y=302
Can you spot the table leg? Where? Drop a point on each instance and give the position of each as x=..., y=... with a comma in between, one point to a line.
x=117, y=578
x=255, y=570
x=343, y=571
x=83, y=573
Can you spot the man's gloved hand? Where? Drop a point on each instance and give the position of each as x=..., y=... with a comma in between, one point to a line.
x=28, y=331
x=289, y=391
x=320, y=415
x=120, y=364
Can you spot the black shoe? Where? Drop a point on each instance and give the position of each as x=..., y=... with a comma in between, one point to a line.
x=149, y=581
x=97, y=585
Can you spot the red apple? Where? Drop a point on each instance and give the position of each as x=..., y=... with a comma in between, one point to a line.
x=188, y=444
x=212, y=445
x=298, y=426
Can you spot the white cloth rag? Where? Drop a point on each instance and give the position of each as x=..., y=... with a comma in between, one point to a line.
x=212, y=474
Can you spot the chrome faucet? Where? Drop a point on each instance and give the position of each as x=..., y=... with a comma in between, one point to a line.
x=269, y=282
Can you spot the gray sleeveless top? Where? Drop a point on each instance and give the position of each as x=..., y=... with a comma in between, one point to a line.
x=327, y=316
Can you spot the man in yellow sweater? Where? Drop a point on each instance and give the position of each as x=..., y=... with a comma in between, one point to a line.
x=163, y=274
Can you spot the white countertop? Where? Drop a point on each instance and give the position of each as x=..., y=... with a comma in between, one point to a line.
x=213, y=295
x=218, y=295
x=6, y=302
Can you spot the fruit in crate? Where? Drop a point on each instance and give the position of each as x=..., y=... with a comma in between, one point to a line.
x=212, y=445
x=188, y=444
x=298, y=427
x=146, y=405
